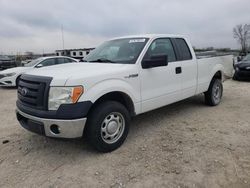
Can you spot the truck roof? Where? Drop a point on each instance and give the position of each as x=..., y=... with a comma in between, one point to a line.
x=151, y=36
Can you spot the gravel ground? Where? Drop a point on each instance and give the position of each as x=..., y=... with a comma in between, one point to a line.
x=186, y=144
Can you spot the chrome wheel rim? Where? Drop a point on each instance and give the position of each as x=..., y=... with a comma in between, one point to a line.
x=217, y=92
x=112, y=127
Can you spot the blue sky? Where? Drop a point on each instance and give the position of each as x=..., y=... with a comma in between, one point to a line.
x=32, y=25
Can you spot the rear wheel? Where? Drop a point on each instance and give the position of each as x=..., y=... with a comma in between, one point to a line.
x=214, y=94
x=108, y=126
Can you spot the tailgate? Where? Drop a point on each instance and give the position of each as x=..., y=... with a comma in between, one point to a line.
x=227, y=62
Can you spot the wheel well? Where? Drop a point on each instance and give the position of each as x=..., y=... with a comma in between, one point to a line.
x=17, y=80
x=218, y=75
x=119, y=97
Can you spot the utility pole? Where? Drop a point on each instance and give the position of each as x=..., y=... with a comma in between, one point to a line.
x=62, y=37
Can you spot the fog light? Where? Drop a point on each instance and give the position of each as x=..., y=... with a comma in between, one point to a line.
x=55, y=129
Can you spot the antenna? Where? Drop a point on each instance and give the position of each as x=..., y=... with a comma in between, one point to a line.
x=62, y=37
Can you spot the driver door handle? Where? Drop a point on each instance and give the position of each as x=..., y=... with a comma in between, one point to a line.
x=178, y=70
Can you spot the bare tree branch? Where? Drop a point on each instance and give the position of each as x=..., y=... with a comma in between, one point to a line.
x=242, y=34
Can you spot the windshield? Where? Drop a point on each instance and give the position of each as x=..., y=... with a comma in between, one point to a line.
x=247, y=58
x=33, y=62
x=124, y=51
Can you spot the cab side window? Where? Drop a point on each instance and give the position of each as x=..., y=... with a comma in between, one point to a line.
x=161, y=47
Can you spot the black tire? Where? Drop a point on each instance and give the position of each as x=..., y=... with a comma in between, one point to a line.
x=235, y=77
x=215, y=92
x=97, y=129
x=17, y=81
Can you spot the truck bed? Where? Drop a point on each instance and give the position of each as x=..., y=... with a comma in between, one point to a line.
x=206, y=65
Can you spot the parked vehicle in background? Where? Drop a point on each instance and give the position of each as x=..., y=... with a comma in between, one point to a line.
x=121, y=78
x=7, y=62
x=23, y=63
x=10, y=77
x=242, y=69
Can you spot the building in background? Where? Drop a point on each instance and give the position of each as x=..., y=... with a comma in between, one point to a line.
x=32, y=55
x=74, y=53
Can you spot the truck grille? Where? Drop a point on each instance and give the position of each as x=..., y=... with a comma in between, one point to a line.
x=33, y=91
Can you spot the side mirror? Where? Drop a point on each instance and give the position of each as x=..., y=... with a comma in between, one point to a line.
x=155, y=61
x=39, y=66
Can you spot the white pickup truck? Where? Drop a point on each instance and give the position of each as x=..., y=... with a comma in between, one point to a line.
x=120, y=79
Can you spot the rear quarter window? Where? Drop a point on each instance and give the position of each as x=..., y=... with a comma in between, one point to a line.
x=183, y=48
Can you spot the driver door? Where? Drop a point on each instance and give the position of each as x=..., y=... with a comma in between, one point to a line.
x=160, y=85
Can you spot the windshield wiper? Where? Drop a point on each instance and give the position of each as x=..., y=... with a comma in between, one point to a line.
x=101, y=60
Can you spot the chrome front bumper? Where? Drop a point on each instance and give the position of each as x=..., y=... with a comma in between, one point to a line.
x=66, y=128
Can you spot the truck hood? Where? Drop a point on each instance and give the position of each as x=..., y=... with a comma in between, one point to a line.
x=78, y=71
x=15, y=70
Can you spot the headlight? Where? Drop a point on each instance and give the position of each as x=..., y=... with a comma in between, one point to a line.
x=9, y=74
x=63, y=95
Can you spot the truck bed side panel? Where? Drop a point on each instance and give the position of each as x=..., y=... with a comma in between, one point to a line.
x=207, y=67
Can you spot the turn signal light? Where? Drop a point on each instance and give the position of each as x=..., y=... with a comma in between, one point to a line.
x=77, y=92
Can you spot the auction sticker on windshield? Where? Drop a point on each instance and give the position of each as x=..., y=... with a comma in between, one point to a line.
x=136, y=40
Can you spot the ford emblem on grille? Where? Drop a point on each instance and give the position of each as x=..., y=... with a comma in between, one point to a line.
x=24, y=91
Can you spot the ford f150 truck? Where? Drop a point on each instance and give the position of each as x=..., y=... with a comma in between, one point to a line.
x=120, y=79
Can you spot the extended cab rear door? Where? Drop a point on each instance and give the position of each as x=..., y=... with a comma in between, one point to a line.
x=188, y=68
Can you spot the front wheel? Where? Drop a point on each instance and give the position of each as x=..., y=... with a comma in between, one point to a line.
x=107, y=126
x=17, y=81
x=214, y=94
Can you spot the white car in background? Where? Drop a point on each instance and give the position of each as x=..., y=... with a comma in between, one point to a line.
x=10, y=77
